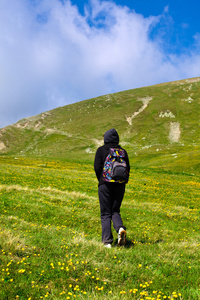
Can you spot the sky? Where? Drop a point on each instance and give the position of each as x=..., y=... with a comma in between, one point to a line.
x=57, y=52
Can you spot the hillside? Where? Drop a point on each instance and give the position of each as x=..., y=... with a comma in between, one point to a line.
x=159, y=126
x=50, y=228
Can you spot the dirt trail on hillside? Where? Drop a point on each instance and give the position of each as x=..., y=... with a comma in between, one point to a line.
x=2, y=146
x=175, y=132
x=98, y=142
x=145, y=101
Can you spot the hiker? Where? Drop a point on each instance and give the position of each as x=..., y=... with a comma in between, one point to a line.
x=111, y=192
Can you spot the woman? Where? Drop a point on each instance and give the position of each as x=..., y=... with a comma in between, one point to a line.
x=110, y=193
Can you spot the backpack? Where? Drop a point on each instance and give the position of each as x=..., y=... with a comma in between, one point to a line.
x=115, y=167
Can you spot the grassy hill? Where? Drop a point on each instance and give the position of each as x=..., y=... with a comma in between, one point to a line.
x=50, y=230
x=159, y=126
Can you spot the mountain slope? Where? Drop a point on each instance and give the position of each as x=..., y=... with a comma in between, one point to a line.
x=159, y=126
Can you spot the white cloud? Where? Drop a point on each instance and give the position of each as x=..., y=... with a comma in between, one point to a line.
x=50, y=55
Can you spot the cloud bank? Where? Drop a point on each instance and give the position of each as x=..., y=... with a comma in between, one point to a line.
x=51, y=55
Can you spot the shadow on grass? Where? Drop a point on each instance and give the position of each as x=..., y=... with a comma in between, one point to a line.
x=150, y=242
x=130, y=243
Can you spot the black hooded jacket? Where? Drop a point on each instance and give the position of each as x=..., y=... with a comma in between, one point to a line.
x=111, y=140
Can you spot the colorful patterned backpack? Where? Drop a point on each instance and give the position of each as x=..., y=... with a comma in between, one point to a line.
x=115, y=167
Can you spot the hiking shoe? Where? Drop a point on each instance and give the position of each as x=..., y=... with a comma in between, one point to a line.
x=121, y=237
x=108, y=245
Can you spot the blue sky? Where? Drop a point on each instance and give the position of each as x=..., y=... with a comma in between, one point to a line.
x=57, y=52
x=182, y=17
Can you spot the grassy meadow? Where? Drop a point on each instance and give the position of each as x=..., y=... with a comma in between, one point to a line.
x=50, y=234
x=50, y=230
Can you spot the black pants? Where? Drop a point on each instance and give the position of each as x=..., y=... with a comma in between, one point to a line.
x=110, y=199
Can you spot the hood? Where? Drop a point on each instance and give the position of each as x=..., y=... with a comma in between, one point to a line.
x=111, y=137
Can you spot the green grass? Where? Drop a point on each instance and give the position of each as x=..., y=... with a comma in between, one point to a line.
x=50, y=231
x=50, y=234
x=68, y=132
